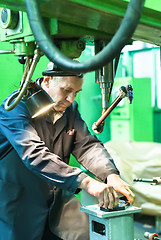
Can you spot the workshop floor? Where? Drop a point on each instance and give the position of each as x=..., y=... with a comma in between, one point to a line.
x=142, y=224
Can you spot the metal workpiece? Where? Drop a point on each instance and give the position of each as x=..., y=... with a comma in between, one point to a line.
x=112, y=225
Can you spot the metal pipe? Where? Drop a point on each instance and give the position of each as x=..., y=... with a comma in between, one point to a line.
x=18, y=95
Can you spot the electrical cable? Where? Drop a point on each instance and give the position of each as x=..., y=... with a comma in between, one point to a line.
x=120, y=39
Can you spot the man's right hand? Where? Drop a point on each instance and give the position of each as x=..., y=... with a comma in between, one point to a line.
x=106, y=195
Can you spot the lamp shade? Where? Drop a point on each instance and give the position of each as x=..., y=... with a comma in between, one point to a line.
x=38, y=102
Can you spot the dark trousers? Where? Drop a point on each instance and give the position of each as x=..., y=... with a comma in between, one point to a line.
x=48, y=235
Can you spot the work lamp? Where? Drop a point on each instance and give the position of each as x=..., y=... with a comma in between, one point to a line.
x=37, y=101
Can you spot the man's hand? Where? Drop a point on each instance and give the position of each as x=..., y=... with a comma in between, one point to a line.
x=106, y=195
x=120, y=186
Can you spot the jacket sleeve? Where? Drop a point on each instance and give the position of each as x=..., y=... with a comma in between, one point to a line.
x=17, y=128
x=90, y=152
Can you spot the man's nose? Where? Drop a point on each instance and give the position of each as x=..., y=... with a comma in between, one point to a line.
x=70, y=98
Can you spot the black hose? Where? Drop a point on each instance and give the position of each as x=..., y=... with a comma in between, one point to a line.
x=120, y=39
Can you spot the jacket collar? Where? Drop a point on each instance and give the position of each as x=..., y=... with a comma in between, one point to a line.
x=60, y=124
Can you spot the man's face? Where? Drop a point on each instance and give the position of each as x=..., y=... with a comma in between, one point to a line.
x=63, y=90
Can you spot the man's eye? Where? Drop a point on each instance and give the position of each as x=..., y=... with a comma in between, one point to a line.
x=66, y=91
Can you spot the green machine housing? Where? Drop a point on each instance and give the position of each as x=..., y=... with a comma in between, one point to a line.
x=133, y=122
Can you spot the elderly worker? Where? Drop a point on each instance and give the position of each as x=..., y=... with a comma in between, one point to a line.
x=37, y=185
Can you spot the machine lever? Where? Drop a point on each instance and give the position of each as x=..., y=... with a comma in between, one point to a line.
x=6, y=51
x=124, y=92
x=155, y=180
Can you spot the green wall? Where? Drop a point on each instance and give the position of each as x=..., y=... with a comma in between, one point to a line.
x=10, y=71
x=152, y=4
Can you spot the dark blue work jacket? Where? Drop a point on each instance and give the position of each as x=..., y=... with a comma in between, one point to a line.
x=34, y=157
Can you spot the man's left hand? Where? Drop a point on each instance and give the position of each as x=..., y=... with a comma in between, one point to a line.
x=120, y=186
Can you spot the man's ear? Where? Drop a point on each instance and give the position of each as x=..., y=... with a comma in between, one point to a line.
x=46, y=81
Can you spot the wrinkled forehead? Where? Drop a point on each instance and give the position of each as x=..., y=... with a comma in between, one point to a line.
x=67, y=80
